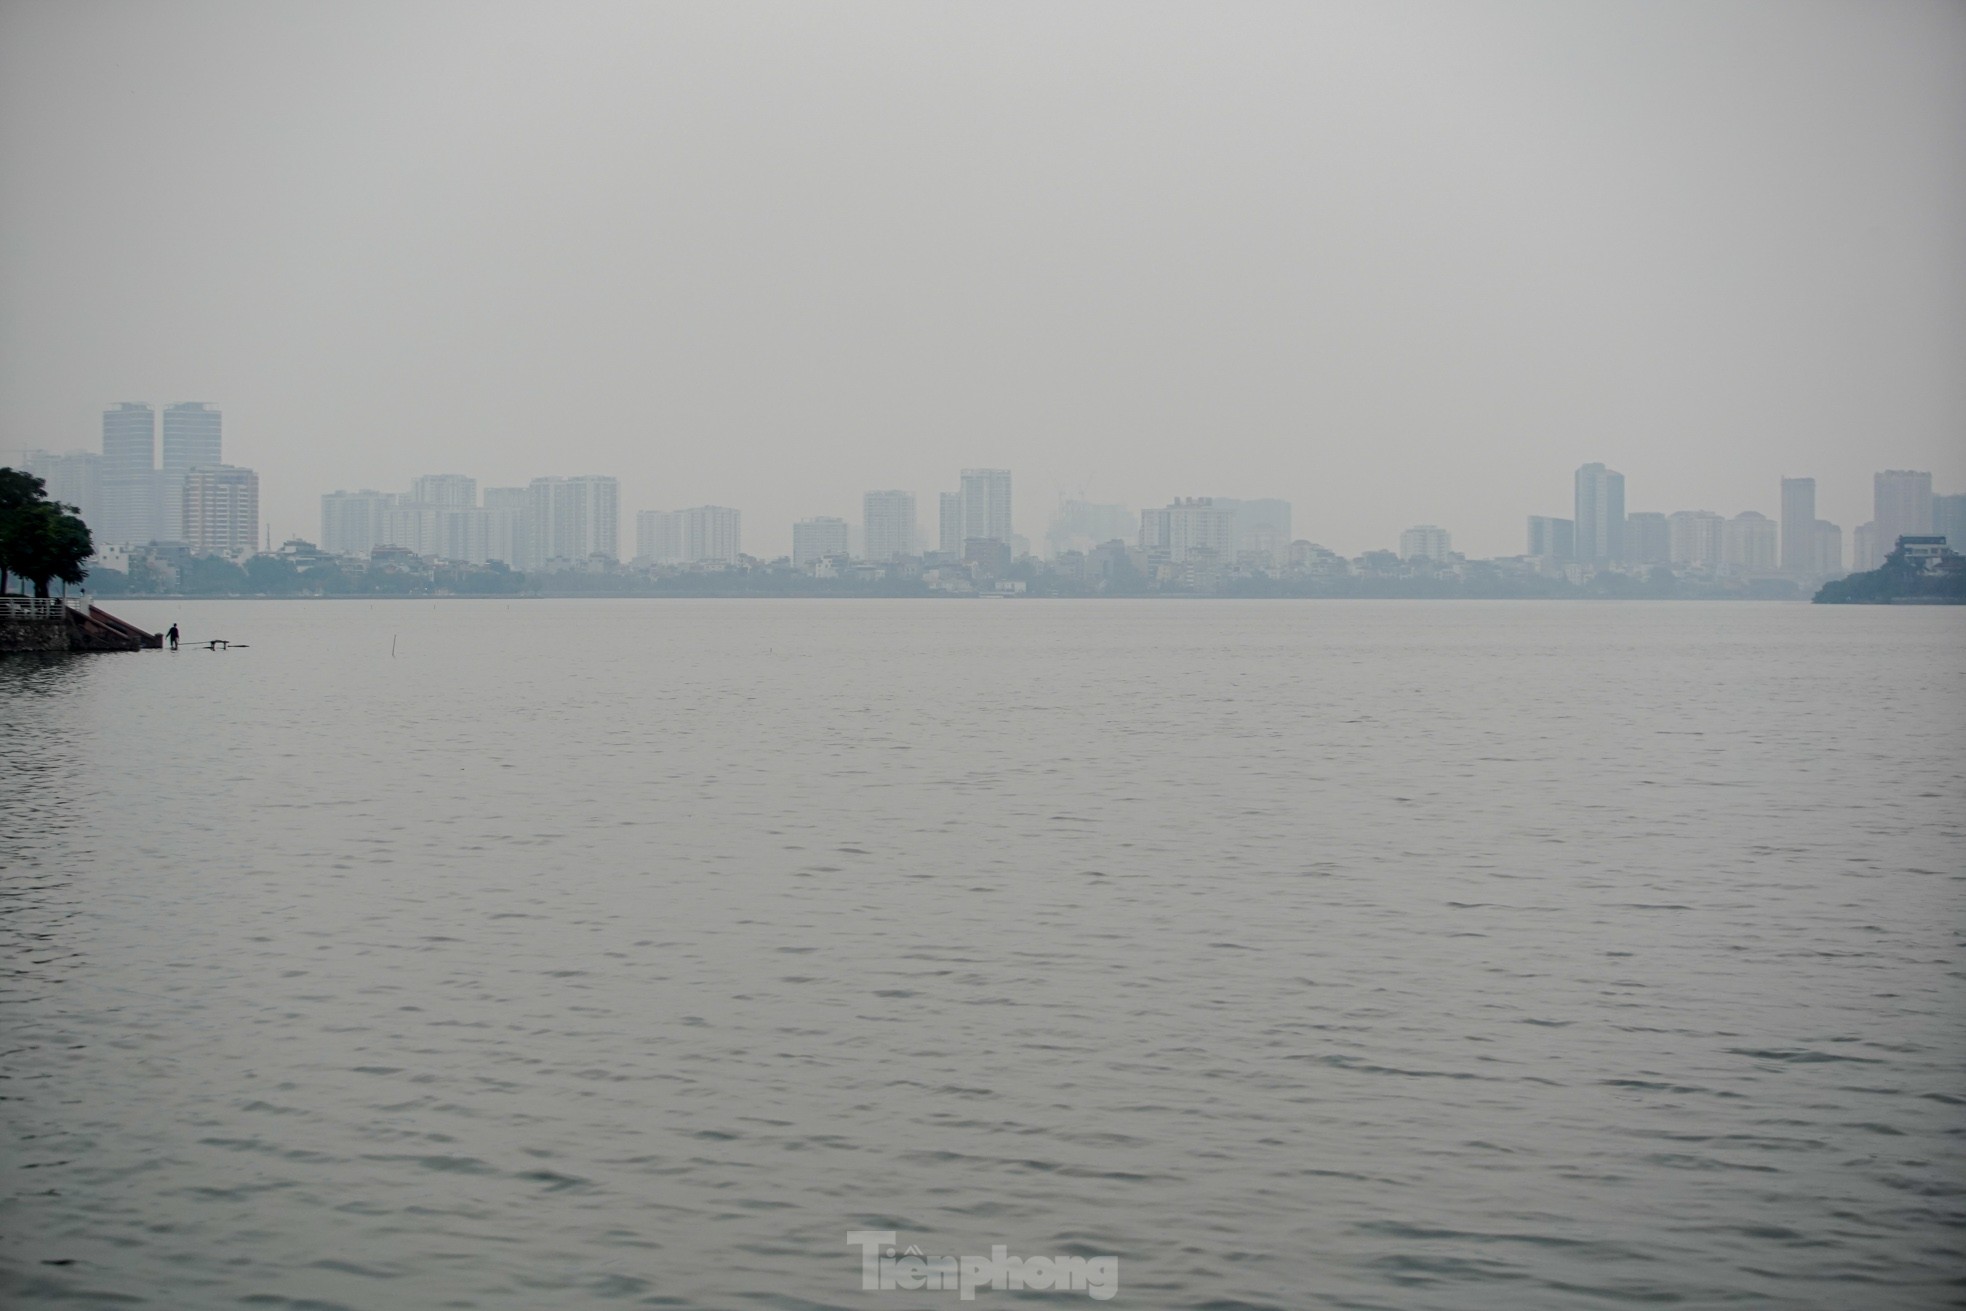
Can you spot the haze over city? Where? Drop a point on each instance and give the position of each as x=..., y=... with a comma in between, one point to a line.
x=1397, y=265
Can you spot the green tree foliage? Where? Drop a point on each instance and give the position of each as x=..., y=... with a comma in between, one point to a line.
x=41, y=540
x=1898, y=579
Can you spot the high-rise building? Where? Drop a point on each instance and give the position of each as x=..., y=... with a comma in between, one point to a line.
x=1948, y=520
x=573, y=519
x=814, y=540
x=1696, y=538
x=220, y=509
x=986, y=505
x=1185, y=526
x=354, y=523
x=949, y=538
x=888, y=520
x=1648, y=538
x=1082, y=525
x=1798, y=525
x=73, y=478
x=1826, y=557
x=1750, y=543
x=1867, y=549
x=193, y=439
x=1902, y=505
x=445, y=491
x=1600, y=515
x=129, y=476
x=1553, y=539
x=1261, y=526
x=1426, y=542
x=508, y=526
x=705, y=534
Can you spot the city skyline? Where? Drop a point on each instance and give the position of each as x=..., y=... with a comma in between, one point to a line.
x=121, y=426
x=558, y=519
x=1233, y=277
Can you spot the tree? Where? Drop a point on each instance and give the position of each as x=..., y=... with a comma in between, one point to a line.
x=43, y=542
x=18, y=490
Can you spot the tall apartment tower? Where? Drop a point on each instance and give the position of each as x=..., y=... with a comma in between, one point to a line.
x=1552, y=537
x=1901, y=504
x=445, y=491
x=1186, y=525
x=1600, y=515
x=1948, y=519
x=814, y=540
x=889, y=522
x=508, y=526
x=703, y=534
x=1799, y=525
x=192, y=440
x=1648, y=538
x=1426, y=542
x=574, y=518
x=129, y=475
x=73, y=478
x=986, y=505
x=354, y=523
x=220, y=508
x=949, y=538
x=193, y=437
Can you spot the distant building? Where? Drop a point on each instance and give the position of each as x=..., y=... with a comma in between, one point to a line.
x=1695, y=538
x=989, y=557
x=1553, y=539
x=73, y=478
x=1923, y=550
x=508, y=526
x=814, y=540
x=220, y=509
x=706, y=534
x=1826, y=555
x=1648, y=539
x=354, y=523
x=986, y=505
x=414, y=527
x=1186, y=526
x=445, y=491
x=193, y=439
x=1901, y=507
x=1866, y=548
x=1798, y=525
x=129, y=476
x=1600, y=515
x=949, y=536
x=1425, y=542
x=1082, y=525
x=571, y=519
x=1949, y=520
x=1260, y=526
x=463, y=535
x=888, y=523
x=1750, y=543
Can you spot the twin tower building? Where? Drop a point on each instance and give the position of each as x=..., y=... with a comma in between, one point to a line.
x=128, y=497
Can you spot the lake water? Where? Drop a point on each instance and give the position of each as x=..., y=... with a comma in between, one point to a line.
x=1395, y=955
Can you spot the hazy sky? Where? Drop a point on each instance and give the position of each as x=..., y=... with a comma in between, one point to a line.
x=1399, y=263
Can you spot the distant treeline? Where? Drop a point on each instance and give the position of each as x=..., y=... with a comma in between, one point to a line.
x=273, y=576
x=1900, y=580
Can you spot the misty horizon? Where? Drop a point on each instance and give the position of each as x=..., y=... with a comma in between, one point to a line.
x=1399, y=266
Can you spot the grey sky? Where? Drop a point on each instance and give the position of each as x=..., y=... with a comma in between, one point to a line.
x=1398, y=263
